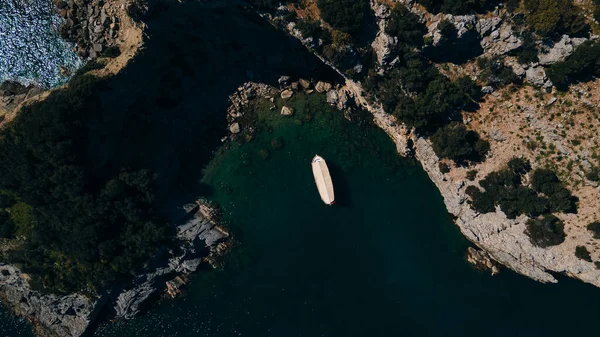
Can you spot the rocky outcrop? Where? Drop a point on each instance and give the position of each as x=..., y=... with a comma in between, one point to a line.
x=560, y=50
x=536, y=75
x=67, y=316
x=92, y=24
x=482, y=261
x=201, y=239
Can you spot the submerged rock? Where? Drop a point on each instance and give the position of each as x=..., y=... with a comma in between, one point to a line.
x=481, y=260
x=287, y=111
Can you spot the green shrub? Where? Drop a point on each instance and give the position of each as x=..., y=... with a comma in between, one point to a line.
x=312, y=28
x=594, y=227
x=471, y=175
x=348, y=16
x=444, y=168
x=406, y=26
x=582, y=65
x=457, y=6
x=528, y=52
x=546, y=231
x=553, y=18
x=7, y=226
x=447, y=30
x=582, y=253
x=494, y=73
x=519, y=165
x=455, y=142
x=111, y=52
x=561, y=200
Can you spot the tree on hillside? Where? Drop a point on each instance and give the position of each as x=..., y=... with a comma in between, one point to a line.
x=455, y=142
x=348, y=16
x=406, y=26
x=552, y=18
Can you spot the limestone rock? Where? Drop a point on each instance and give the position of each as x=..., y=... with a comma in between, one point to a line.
x=234, y=128
x=67, y=316
x=304, y=83
x=287, y=111
x=560, y=51
x=286, y=94
x=323, y=87
x=383, y=46
x=536, y=76
x=481, y=260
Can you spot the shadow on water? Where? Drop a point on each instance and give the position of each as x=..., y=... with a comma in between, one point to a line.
x=169, y=105
x=343, y=193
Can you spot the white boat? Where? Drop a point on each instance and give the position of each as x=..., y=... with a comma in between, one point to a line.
x=323, y=180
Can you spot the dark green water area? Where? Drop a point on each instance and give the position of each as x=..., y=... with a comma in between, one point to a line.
x=386, y=260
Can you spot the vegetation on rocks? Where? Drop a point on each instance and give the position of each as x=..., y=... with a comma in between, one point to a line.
x=582, y=65
x=582, y=253
x=553, y=18
x=406, y=26
x=79, y=226
x=594, y=227
x=505, y=189
x=457, y=6
x=546, y=231
x=455, y=142
x=348, y=16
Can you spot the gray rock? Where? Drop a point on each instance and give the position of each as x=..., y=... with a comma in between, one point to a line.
x=560, y=51
x=487, y=89
x=67, y=316
x=497, y=135
x=536, y=76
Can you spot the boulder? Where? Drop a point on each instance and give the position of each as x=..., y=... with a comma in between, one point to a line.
x=482, y=261
x=323, y=87
x=283, y=80
x=234, y=128
x=536, y=76
x=383, y=46
x=560, y=50
x=304, y=83
x=286, y=94
x=287, y=111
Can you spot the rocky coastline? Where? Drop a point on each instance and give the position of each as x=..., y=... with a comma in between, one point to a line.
x=501, y=238
x=201, y=241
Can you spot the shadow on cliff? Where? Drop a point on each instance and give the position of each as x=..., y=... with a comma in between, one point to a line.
x=168, y=107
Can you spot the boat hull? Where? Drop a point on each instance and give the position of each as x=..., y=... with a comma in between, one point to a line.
x=323, y=180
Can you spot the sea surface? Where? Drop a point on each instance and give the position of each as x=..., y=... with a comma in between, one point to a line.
x=386, y=260
x=31, y=49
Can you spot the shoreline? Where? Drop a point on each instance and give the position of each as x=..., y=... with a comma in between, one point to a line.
x=501, y=238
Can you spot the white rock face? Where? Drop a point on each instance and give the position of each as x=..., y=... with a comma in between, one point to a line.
x=536, y=76
x=561, y=50
x=287, y=111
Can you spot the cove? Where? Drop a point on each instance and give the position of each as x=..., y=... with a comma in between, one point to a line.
x=386, y=260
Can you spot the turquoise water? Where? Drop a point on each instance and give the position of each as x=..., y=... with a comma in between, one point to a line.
x=386, y=260
x=31, y=49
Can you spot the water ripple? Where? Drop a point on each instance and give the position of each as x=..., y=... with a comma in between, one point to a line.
x=31, y=49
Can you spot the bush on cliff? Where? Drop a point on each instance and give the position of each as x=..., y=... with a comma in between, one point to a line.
x=455, y=142
x=546, y=231
x=553, y=18
x=504, y=188
x=582, y=253
x=348, y=16
x=594, y=227
x=582, y=65
x=457, y=6
x=406, y=26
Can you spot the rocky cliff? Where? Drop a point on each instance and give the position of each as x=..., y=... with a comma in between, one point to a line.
x=201, y=241
x=502, y=238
